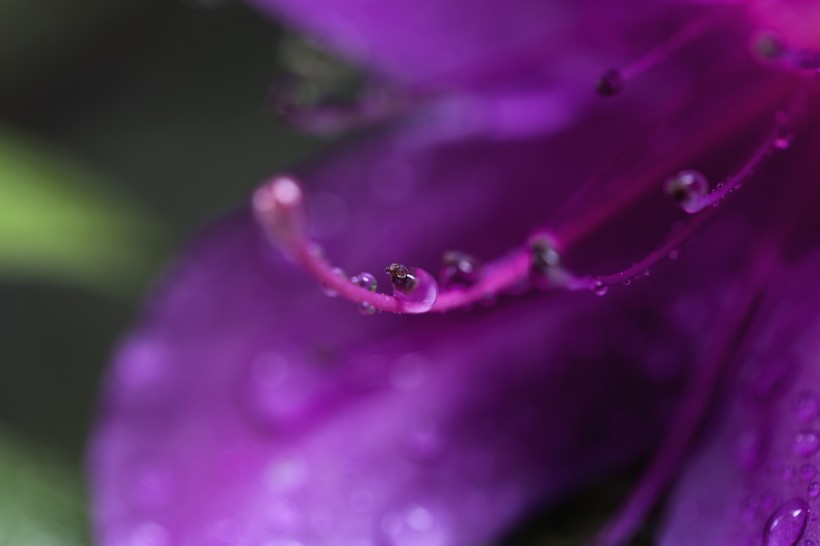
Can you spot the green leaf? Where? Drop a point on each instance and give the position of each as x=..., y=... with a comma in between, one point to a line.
x=61, y=223
x=42, y=501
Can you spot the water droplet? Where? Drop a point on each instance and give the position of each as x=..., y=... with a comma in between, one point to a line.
x=786, y=524
x=813, y=489
x=806, y=443
x=610, y=83
x=806, y=406
x=458, y=269
x=627, y=282
x=365, y=280
x=546, y=270
x=600, y=288
x=807, y=472
x=329, y=291
x=367, y=309
x=673, y=255
x=413, y=287
x=687, y=189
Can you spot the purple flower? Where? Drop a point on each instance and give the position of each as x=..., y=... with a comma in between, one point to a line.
x=249, y=408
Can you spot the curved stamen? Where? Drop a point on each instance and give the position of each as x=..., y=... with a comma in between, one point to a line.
x=279, y=208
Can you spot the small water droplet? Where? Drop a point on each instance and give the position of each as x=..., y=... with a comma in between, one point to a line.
x=687, y=189
x=673, y=255
x=610, y=83
x=806, y=406
x=600, y=288
x=367, y=309
x=414, y=288
x=458, y=269
x=813, y=489
x=546, y=269
x=786, y=524
x=627, y=282
x=806, y=443
x=807, y=472
x=365, y=280
x=329, y=291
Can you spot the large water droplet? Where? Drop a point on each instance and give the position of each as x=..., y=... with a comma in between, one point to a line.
x=786, y=524
x=687, y=189
x=806, y=443
x=414, y=288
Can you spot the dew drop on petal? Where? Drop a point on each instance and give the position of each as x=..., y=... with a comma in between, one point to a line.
x=813, y=489
x=365, y=280
x=673, y=255
x=786, y=524
x=414, y=288
x=687, y=189
x=807, y=472
x=806, y=443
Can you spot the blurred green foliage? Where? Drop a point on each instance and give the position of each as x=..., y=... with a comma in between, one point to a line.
x=61, y=223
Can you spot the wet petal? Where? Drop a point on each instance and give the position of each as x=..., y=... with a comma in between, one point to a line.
x=754, y=480
x=247, y=407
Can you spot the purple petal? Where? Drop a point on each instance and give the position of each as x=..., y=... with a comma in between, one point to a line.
x=754, y=481
x=248, y=408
